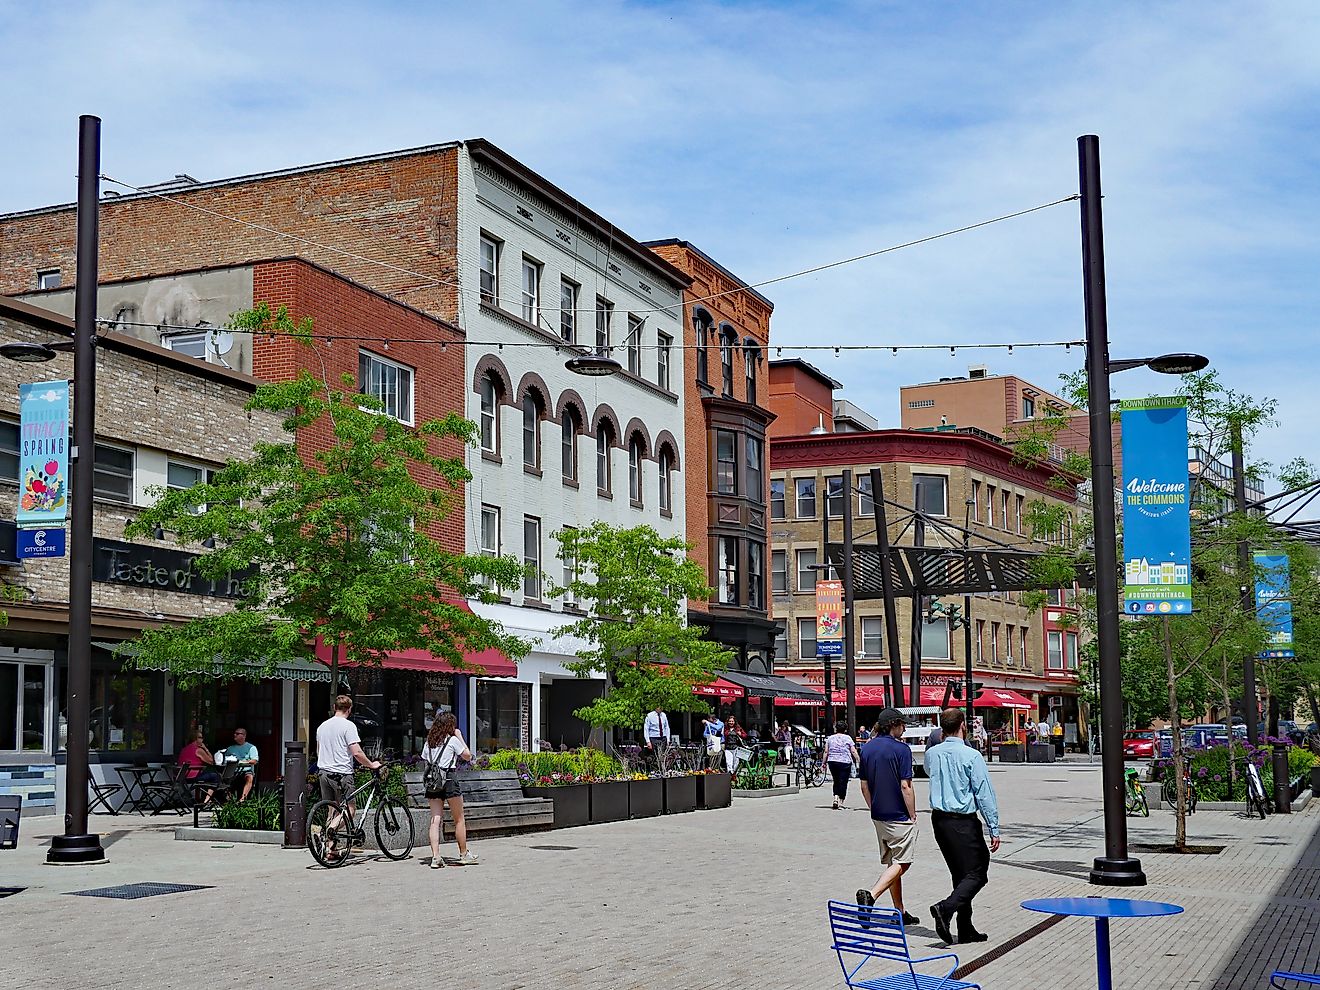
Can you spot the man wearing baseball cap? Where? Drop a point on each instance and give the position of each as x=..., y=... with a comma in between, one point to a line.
x=887, y=788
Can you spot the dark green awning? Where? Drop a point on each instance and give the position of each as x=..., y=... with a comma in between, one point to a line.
x=296, y=670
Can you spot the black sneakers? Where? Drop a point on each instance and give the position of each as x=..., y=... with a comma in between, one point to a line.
x=973, y=936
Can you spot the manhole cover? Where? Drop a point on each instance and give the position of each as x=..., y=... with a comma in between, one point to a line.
x=11, y=891
x=132, y=891
x=555, y=848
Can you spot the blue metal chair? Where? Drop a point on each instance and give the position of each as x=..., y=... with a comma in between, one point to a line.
x=1306, y=979
x=862, y=934
x=11, y=813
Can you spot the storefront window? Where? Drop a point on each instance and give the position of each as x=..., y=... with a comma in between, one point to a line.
x=502, y=716
x=23, y=707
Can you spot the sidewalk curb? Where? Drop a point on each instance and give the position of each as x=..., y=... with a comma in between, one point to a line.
x=765, y=792
x=186, y=833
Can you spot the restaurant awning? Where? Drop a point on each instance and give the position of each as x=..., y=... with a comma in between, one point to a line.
x=873, y=695
x=1003, y=698
x=770, y=686
x=294, y=670
x=485, y=663
x=719, y=688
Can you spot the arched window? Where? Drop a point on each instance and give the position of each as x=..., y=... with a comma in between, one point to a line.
x=490, y=414
x=604, y=437
x=727, y=340
x=569, y=445
x=636, y=452
x=531, y=410
x=666, y=491
x=701, y=324
x=752, y=355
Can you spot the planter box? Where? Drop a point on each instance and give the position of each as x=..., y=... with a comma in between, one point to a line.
x=572, y=803
x=609, y=801
x=714, y=790
x=1012, y=752
x=1315, y=779
x=1039, y=753
x=680, y=794
x=646, y=798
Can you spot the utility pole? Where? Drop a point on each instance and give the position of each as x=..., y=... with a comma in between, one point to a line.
x=849, y=657
x=1250, y=710
x=967, y=613
x=825, y=555
x=918, y=618
x=887, y=586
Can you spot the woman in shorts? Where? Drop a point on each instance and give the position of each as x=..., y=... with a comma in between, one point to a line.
x=444, y=748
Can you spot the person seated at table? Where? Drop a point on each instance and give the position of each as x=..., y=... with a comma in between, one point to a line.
x=244, y=754
x=199, y=761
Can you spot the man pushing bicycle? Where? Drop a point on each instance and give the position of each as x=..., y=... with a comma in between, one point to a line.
x=338, y=747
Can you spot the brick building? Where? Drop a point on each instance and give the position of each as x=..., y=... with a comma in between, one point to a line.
x=162, y=419
x=801, y=398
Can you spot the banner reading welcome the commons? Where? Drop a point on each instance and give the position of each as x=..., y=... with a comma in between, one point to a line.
x=1157, y=542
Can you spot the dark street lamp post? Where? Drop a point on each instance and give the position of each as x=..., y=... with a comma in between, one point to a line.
x=1116, y=868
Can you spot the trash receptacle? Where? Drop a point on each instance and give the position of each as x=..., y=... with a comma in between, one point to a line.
x=1040, y=753
x=295, y=784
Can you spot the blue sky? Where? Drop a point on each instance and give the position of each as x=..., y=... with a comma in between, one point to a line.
x=778, y=137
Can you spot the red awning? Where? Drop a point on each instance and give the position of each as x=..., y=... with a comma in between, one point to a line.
x=484, y=663
x=719, y=688
x=800, y=702
x=1003, y=698
x=873, y=695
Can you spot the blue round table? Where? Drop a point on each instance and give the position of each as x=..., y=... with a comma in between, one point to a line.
x=1101, y=909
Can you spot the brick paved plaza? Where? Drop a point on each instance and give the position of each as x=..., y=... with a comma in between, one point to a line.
x=724, y=899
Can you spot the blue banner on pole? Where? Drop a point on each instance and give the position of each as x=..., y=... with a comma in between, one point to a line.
x=43, y=454
x=1274, y=603
x=1157, y=541
x=38, y=543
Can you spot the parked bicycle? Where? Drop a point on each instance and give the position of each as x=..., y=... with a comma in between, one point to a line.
x=1258, y=801
x=333, y=833
x=1169, y=790
x=808, y=768
x=1136, y=795
x=758, y=772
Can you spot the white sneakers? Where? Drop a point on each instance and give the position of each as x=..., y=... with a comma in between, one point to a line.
x=469, y=858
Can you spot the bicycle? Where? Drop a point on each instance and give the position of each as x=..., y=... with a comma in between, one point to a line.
x=1257, y=800
x=1136, y=795
x=758, y=772
x=332, y=832
x=808, y=770
x=1169, y=790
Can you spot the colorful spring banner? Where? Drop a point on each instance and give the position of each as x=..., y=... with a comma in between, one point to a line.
x=1157, y=541
x=829, y=618
x=43, y=461
x=1274, y=603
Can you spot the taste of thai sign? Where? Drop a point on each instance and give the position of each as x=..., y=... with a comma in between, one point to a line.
x=43, y=454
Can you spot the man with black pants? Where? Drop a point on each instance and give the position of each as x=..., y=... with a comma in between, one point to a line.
x=655, y=730
x=959, y=787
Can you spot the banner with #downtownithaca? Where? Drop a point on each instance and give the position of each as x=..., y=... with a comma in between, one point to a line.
x=1157, y=540
x=43, y=454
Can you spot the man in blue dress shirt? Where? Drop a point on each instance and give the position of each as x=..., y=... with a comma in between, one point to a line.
x=959, y=788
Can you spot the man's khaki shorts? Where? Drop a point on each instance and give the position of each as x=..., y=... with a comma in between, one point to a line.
x=898, y=841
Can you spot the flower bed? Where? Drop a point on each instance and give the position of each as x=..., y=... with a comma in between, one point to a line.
x=1208, y=767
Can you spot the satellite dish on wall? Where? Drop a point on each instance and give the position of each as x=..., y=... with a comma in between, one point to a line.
x=222, y=342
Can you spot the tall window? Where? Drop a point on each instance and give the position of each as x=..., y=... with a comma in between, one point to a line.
x=779, y=572
x=834, y=500
x=781, y=639
x=634, y=344
x=752, y=477
x=531, y=410
x=1028, y=407
x=568, y=447
x=865, y=497
x=532, y=557
x=1054, y=650
x=806, y=570
x=388, y=381
x=1020, y=500
x=990, y=505
x=9, y=450
x=112, y=473
x=604, y=437
x=1004, y=497
x=568, y=300
x=23, y=723
x=570, y=572
x=603, y=310
x=930, y=492
x=806, y=498
x=755, y=575
x=1070, y=641
x=726, y=462
x=531, y=290
x=980, y=640
x=662, y=358
x=490, y=414
x=490, y=531
x=776, y=498
x=1009, y=650
x=490, y=271
x=1026, y=661
x=935, y=640
x=726, y=360
x=666, y=481
x=873, y=636
x=994, y=642
x=703, y=358
x=751, y=355
x=635, y=470
x=976, y=501
x=806, y=639
x=727, y=569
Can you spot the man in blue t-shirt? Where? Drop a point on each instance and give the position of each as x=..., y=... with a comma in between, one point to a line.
x=887, y=788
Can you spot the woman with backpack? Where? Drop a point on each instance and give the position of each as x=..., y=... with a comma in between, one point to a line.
x=444, y=748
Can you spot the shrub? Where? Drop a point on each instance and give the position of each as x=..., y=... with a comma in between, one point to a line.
x=572, y=767
x=261, y=812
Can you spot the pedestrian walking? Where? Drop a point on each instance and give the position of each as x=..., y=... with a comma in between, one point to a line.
x=887, y=788
x=444, y=748
x=655, y=730
x=840, y=757
x=959, y=788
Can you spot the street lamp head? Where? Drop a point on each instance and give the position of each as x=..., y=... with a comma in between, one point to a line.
x=598, y=365
x=1177, y=364
x=26, y=352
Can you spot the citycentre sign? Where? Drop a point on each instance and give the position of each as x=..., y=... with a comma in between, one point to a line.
x=158, y=569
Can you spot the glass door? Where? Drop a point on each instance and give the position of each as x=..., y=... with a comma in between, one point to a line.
x=24, y=716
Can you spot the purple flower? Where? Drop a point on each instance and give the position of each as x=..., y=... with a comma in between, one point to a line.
x=1202, y=772
x=1218, y=778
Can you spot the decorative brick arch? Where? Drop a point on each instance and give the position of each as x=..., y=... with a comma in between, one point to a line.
x=636, y=427
x=532, y=382
x=604, y=412
x=665, y=439
x=570, y=398
x=491, y=365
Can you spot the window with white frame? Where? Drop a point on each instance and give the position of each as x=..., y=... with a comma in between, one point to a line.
x=50, y=278
x=805, y=489
x=490, y=414
x=777, y=507
x=1020, y=501
x=1054, y=650
x=1028, y=407
x=490, y=531
x=976, y=501
x=781, y=639
x=389, y=382
x=663, y=356
x=755, y=574
x=994, y=642
x=930, y=492
x=935, y=640
x=806, y=570
x=633, y=344
x=568, y=447
x=531, y=289
x=806, y=631
x=666, y=481
x=873, y=636
x=490, y=270
x=834, y=497
x=531, y=410
x=181, y=476
x=604, y=475
x=779, y=572
x=570, y=571
x=112, y=473
x=1004, y=497
x=532, y=558
x=604, y=309
x=568, y=300
x=1026, y=661
x=726, y=462
x=192, y=343
x=865, y=497
x=1009, y=651
x=1070, y=641
x=990, y=505
x=635, y=455
x=726, y=570
x=24, y=691
x=980, y=640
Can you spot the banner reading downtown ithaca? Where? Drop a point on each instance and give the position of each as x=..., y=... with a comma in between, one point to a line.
x=1274, y=603
x=43, y=463
x=1157, y=542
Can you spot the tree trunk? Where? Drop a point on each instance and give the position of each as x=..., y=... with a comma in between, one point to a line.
x=1228, y=721
x=1180, y=788
x=1315, y=707
x=334, y=673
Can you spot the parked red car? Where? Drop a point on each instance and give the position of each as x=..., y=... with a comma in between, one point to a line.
x=1140, y=745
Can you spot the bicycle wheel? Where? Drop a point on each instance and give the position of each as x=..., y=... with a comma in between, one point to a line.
x=1142, y=806
x=820, y=776
x=328, y=843
x=394, y=829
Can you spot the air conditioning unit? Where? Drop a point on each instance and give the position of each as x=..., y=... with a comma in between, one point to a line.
x=978, y=371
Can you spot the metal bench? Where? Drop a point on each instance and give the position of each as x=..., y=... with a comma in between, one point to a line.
x=11, y=811
x=866, y=934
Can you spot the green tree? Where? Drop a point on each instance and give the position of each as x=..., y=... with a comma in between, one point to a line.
x=635, y=585
x=337, y=546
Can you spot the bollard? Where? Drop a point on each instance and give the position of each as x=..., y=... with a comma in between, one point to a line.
x=1282, y=785
x=295, y=785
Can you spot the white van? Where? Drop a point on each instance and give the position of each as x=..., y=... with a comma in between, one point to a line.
x=920, y=721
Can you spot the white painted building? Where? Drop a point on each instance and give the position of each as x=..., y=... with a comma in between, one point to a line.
x=558, y=449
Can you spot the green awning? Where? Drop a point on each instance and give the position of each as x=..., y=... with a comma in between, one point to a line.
x=295, y=670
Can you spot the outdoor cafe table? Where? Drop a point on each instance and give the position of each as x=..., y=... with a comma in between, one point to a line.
x=136, y=778
x=1101, y=909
